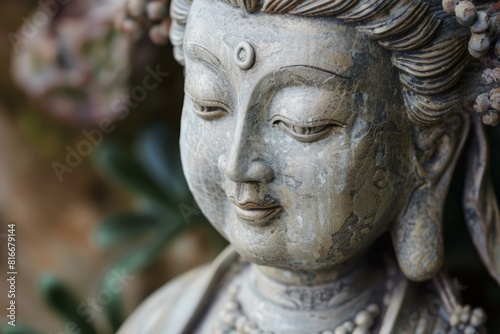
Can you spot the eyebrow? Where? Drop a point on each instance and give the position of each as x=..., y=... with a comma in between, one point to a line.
x=213, y=58
x=216, y=61
x=316, y=68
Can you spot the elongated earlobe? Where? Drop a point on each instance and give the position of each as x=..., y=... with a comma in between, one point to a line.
x=417, y=235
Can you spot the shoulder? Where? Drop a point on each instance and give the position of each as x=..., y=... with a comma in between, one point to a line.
x=152, y=313
x=189, y=293
x=433, y=307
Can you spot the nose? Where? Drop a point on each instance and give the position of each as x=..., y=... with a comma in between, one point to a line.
x=242, y=165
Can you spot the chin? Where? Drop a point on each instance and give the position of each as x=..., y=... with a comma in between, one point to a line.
x=282, y=256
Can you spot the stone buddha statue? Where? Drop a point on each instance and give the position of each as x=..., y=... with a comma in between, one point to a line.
x=310, y=129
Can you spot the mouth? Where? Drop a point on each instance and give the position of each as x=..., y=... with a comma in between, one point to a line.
x=255, y=214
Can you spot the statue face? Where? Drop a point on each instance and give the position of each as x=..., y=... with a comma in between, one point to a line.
x=298, y=157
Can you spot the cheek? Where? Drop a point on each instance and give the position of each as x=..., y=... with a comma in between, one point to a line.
x=375, y=188
x=339, y=197
x=318, y=197
x=200, y=149
x=318, y=186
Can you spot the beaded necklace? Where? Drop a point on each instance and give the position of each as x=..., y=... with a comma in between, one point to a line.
x=232, y=320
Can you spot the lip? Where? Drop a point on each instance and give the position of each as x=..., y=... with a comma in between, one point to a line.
x=255, y=214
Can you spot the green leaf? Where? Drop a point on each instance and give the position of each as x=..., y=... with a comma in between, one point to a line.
x=140, y=257
x=118, y=164
x=62, y=300
x=114, y=309
x=158, y=151
x=123, y=227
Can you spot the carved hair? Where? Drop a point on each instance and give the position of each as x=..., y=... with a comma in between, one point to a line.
x=430, y=59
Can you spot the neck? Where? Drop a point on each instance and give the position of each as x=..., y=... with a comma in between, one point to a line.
x=311, y=290
x=274, y=297
x=309, y=278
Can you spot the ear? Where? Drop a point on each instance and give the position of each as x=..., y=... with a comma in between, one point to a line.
x=417, y=233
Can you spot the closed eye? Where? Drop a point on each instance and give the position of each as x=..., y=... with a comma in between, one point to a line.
x=306, y=132
x=209, y=109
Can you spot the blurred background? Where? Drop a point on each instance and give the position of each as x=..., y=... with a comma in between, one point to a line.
x=90, y=171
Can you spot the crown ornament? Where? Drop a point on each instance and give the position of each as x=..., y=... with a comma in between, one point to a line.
x=484, y=44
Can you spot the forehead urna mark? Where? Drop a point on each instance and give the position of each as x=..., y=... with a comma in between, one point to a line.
x=244, y=55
